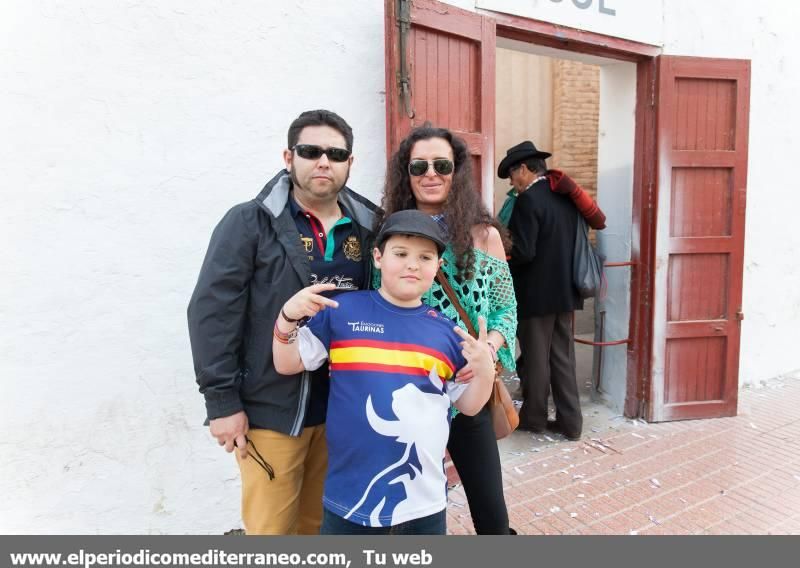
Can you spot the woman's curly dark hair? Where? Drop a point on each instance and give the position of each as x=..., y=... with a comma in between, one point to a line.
x=463, y=208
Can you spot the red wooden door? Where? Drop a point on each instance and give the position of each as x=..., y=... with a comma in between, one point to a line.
x=440, y=68
x=702, y=130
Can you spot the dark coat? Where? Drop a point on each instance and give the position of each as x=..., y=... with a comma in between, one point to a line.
x=254, y=264
x=543, y=226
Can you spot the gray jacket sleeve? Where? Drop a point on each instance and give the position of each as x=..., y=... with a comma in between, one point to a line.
x=217, y=312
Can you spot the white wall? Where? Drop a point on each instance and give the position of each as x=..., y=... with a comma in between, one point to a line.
x=128, y=129
x=615, y=152
x=763, y=32
x=523, y=107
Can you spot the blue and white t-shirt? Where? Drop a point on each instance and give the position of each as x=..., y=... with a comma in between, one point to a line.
x=388, y=410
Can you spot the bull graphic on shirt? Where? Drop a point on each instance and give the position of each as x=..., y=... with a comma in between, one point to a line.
x=422, y=427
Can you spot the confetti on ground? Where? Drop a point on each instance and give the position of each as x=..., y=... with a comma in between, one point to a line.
x=581, y=495
x=555, y=509
x=635, y=435
x=519, y=471
x=655, y=482
x=573, y=515
x=633, y=532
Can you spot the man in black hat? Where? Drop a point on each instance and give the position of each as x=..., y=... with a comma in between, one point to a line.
x=543, y=224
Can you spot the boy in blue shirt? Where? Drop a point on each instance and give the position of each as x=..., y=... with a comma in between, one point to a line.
x=391, y=361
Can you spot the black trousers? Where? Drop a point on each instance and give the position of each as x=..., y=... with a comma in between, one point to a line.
x=473, y=449
x=548, y=348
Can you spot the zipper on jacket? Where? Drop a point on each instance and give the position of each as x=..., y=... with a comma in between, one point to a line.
x=300, y=418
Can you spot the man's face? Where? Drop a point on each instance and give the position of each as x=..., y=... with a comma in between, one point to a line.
x=519, y=176
x=318, y=179
x=408, y=265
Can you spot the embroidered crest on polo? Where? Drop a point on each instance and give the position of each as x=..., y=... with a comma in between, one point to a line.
x=308, y=243
x=365, y=326
x=352, y=249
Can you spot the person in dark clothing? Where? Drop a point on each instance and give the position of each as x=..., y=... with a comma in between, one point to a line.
x=431, y=172
x=543, y=224
x=305, y=227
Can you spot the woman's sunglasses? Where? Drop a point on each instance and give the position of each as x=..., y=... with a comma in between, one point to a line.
x=314, y=152
x=441, y=166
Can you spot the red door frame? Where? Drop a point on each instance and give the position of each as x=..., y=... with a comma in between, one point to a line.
x=644, y=172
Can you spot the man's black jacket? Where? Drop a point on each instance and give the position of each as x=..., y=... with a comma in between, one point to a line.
x=543, y=225
x=254, y=264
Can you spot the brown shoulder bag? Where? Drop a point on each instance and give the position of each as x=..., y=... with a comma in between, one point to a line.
x=504, y=416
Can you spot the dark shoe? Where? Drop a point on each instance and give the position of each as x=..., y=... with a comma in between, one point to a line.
x=555, y=427
x=529, y=428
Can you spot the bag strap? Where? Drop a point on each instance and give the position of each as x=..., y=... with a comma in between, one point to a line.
x=441, y=278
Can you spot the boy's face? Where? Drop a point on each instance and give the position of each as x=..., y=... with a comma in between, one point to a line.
x=408, y=265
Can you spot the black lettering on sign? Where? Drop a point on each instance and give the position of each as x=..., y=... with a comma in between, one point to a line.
x=586, y=4
x=604, y=10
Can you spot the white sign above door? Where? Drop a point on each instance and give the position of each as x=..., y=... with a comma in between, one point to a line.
x=637, y=20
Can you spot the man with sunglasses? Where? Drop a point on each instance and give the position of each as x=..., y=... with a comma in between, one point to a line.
x=305, y=227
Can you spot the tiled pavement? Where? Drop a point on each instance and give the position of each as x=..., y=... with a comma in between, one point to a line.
x=737, y=475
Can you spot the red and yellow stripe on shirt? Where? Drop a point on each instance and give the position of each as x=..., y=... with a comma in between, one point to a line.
x=388, y=357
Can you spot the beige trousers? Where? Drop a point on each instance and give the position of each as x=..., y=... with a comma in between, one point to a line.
x=292, y=502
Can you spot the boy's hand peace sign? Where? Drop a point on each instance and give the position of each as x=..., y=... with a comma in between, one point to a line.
x=309, y=301
x=477, y=352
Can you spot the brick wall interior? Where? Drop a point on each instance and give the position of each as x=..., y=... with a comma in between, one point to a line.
x=576, y=110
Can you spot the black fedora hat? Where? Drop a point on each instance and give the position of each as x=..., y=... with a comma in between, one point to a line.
x=518, y=153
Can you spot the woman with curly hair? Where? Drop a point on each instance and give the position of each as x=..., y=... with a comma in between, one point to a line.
x=431, y=172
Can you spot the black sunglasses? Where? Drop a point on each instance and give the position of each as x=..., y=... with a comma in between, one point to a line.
x=314, y=152
x=441, y=166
